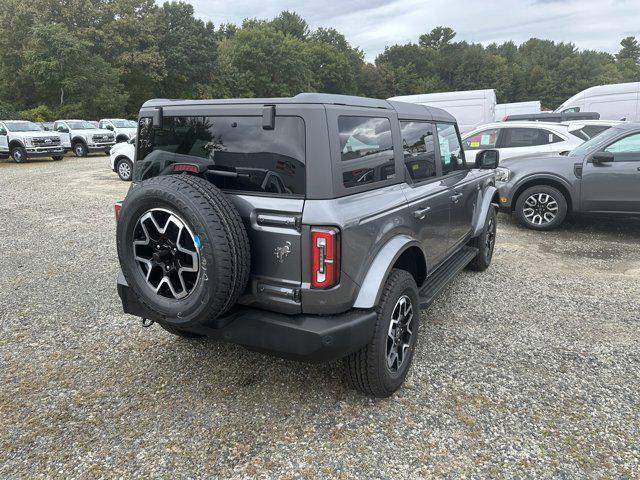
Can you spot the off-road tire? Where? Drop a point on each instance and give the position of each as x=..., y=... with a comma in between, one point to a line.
x=366, y=370
x=122, y=172
x=224, y=251
x=80, y=149
x=19, y=154
x=554, y=193
x=180, y=333
x=485, y=243
x=57, y=158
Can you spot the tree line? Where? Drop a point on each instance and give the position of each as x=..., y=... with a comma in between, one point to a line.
x=104, y=58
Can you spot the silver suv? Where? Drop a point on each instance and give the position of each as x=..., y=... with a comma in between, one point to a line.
x=314, y=227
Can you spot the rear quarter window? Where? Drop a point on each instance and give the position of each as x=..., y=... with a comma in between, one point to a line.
x=366, y=150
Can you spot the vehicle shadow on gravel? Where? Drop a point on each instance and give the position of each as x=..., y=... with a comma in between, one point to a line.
x=582, y=224
x=197, y=363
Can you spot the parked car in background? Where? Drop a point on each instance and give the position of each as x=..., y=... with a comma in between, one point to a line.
x=613, y=102
x=379, y=211
x=517, y=108
x=600, y=176
x=122, y=128
x=514, y=139
x=21, y=140
x=470, y=108
x=82, y=137
x=121, y=157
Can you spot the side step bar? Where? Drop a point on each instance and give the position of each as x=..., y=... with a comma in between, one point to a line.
x=444, y=274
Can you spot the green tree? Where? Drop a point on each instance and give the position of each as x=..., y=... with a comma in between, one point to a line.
x=630, y=50
x=290, y=23
x=264, y=62
x=189, y=50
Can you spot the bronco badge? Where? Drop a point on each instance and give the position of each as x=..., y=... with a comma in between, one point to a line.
x=282, y=252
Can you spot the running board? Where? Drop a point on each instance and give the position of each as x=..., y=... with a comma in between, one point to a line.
x=444, y=274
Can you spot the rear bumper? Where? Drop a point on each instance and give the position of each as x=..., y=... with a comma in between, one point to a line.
x=311, y=338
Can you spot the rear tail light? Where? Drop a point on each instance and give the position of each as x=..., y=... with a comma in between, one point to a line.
x=325, y=257
x=118, y=206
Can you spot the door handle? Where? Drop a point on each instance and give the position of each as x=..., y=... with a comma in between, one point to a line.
x=420, y=214
x=456, y=197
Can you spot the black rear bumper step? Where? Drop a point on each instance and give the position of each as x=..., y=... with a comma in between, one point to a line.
x=444, y=274
x=310, y=338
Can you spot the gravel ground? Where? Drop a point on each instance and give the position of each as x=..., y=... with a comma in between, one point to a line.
x=529, y=369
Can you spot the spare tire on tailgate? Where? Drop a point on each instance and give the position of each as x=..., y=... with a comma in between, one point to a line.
x=183, y=249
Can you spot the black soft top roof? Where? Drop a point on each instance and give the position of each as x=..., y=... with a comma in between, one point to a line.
x=403, y=109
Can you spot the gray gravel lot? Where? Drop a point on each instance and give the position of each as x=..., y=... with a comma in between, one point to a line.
x=529, y=369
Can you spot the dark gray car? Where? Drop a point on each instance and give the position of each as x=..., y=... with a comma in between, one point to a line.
x=600, y=176
x=313, y=227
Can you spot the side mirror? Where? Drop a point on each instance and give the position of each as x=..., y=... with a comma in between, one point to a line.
x=487, y=159
x=109, y=127
x=3, y=132
x=63, y=129
x=602, y=157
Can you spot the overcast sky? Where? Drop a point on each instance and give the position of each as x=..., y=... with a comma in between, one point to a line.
x=372, y=24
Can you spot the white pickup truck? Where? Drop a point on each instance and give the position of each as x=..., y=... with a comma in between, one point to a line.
x=122, y=128
x=82, y=137
x=22, y=140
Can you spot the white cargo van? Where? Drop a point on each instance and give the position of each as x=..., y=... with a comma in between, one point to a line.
x=517, y=108
x=471, y=108
x=613, y=102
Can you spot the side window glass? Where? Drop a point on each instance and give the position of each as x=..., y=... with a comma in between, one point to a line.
x=451, y=154
x=592, y=130
x=482, y=140
x=366, y=150
x=571, y=110
x=525, y=137
x=626, y=149
x=418, y=149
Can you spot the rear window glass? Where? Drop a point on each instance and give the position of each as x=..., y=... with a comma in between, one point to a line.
x=258, y=160
x=366, y=149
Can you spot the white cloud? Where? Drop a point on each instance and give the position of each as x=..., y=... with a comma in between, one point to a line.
x=374, y=24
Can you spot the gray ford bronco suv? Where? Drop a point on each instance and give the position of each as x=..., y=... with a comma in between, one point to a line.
x=313, y=227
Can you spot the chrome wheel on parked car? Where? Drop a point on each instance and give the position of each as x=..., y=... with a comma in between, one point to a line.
x=399, y=335
x=540, y=208
x=167, y=253
x=124, y=170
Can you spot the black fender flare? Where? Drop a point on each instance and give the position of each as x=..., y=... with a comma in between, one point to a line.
x=380, y=267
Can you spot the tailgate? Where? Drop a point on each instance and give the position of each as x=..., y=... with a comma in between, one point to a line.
x=273, y=226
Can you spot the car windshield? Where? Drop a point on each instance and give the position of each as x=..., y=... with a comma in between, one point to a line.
x=22, y=127
x=124, y=124
x=79, y=125
x=586, y=147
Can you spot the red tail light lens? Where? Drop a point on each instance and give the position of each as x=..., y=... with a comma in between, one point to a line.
x=118, y=206
x=325, y=257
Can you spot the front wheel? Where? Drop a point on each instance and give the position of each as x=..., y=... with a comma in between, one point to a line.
x=19, y=154
x=80, y=149
x=124, y=168
x=380, y=367
x=485, y=243
x=541, y=207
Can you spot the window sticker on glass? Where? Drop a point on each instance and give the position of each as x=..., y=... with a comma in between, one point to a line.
x=445, y=153
x=486, y=139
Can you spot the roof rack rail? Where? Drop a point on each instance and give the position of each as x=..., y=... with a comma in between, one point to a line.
x=553, y=117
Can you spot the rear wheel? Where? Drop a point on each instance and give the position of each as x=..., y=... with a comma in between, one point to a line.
x=541, y=207
x=19, y=154
x=183, y=249
x=124, y=169
x=80, y=149
x=380, y=367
